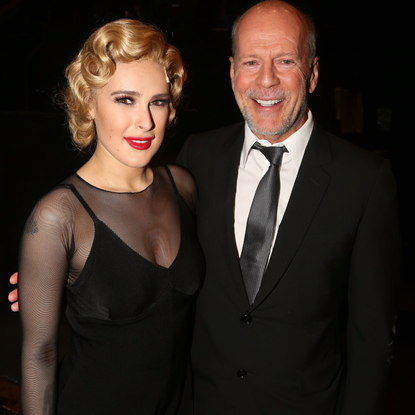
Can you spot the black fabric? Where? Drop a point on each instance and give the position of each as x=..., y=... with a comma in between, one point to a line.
x=131, y=265
x=338, y=241
x=260, y=225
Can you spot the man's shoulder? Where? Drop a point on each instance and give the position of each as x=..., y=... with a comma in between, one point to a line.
x=201, y=150
x=228, y=129
x=346, y=152
x=220, y=134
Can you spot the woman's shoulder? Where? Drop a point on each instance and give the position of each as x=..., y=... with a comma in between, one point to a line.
x=181, y=175
x=57, y=205
x=185, y=184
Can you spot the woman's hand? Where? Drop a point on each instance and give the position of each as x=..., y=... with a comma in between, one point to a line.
x=13, y=296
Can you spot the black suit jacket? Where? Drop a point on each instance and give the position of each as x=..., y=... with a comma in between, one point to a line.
x=338, y=243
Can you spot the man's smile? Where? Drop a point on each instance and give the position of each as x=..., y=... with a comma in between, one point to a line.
x=268, y=103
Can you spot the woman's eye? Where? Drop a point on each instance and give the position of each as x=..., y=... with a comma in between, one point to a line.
x=124, y=100
x=159, y=102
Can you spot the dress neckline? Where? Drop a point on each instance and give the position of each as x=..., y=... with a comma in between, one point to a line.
x=116, y=193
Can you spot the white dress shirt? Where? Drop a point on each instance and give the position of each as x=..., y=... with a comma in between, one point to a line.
x=253, y=166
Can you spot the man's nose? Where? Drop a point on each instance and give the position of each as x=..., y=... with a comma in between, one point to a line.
x=144, y=119
x=267, y=76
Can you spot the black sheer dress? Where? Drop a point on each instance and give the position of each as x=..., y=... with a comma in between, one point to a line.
x=130, y=266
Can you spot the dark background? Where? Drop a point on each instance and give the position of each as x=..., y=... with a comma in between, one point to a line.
x=363, y=46
x=360, y=45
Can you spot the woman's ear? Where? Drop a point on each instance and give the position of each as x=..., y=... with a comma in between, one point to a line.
x=91, y=110
x=91, y=113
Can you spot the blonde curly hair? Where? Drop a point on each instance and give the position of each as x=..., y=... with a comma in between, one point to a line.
x=123, y=40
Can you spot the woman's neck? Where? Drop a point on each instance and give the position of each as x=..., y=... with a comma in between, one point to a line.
x=115, y=176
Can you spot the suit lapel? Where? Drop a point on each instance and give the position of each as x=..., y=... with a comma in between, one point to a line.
x=226, y=175
x=308, y=191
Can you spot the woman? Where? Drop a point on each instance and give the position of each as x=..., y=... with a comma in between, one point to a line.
x=117, y=238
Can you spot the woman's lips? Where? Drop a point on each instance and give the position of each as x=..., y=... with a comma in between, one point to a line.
x=139, y=143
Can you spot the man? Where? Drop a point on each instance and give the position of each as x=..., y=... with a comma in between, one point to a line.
x=277, y=348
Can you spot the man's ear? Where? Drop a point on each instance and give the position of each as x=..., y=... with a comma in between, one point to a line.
x=232, y=72
x=313, y=75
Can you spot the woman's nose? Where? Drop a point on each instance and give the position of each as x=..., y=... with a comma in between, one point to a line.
x=144, y=119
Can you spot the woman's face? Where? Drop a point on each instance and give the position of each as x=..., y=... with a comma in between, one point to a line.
x=131, y=113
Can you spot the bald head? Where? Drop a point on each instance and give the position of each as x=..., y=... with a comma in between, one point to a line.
x=272, y=71
x=281, y=11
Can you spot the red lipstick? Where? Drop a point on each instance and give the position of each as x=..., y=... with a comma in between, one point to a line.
x=139, y=143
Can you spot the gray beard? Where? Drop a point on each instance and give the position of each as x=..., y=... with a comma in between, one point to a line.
x=288, y=124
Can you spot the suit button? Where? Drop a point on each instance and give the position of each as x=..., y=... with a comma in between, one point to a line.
x=241, y=373
x=247, y=319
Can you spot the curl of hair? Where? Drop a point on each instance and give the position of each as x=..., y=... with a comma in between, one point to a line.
x=123, y=40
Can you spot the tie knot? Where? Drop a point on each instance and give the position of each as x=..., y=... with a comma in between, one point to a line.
x=273, y=154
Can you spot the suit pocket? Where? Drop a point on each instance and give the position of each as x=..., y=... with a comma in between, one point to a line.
x=320, y=377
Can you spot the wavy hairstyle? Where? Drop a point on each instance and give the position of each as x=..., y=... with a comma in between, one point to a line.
x=123, y=40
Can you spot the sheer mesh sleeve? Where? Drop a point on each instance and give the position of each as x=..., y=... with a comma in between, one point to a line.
x=43, y=272
x=186, y=186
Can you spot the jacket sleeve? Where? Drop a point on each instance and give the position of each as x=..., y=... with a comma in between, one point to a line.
x=372, y=300
x=183, y=157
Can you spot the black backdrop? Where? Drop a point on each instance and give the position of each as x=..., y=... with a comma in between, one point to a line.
x=361, y=45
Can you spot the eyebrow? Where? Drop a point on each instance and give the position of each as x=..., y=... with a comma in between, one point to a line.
x=137, y=94
x=278, y=55
x=161, y=96
x=126, y=92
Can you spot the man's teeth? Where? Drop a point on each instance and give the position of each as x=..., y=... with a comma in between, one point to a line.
x=268, y=103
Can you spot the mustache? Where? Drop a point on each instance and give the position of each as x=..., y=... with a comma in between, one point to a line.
x=266, y=94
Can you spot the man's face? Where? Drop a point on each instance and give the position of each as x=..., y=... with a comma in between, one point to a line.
x=270, y=72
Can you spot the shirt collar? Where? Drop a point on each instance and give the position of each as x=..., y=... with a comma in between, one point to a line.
x=296, y=143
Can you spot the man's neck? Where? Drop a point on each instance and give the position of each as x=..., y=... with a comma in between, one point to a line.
x=273, y=139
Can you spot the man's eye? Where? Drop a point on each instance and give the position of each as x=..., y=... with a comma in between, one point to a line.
x=249, y=63
x=288, y=62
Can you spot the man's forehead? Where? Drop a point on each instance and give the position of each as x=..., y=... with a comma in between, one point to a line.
x=269, y=37
x=271, y=23
x=271, y=29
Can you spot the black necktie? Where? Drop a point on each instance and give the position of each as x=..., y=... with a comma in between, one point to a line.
x=261, y=222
